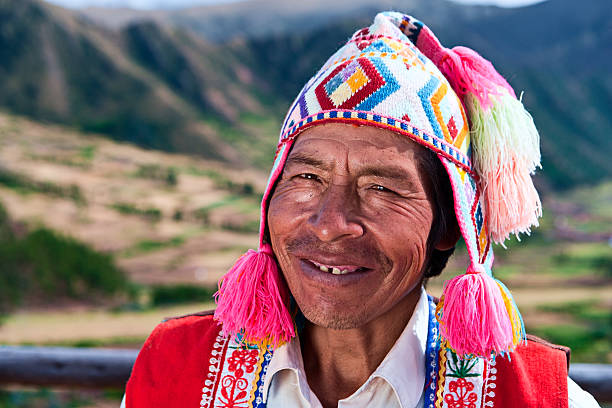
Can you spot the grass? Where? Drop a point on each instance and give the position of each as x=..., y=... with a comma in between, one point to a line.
x=25, y=185
x=547, y=256
x=64, y=161
x=49, y=398
x=150, y=213
x=239, y=205
x=115, y=341
x=266, y=129
x=594, y=200
x=225, y=183
x=148, y=245
x=95, y=326
x=248, y=227
x=168, y=175
x=587, y=331
x=163, y=295
x=40, y=398
x=81, y=157
x=48, y=265
x=88, y=152
x=228, y=200
x=587, y=344
x=584, y=259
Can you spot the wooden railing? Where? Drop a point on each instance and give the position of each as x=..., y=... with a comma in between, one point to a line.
x=66, y=366
x=110, y=368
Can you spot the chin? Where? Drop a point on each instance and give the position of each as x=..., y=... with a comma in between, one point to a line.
x=334, y=320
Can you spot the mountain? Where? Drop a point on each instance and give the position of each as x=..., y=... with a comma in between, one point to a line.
x=215, y=81
x=262, y=18
x=149, y=85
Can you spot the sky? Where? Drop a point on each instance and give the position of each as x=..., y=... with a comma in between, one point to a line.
x=165, y=4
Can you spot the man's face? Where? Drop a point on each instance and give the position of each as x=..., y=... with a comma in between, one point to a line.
x=349, y=221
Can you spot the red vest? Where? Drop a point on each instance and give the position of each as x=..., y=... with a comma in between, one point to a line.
x=186, y=363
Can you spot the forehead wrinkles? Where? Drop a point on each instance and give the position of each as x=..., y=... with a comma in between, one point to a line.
x=377, y=154
x=350, y=154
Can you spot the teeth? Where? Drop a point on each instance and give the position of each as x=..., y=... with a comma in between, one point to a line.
x=333, y=270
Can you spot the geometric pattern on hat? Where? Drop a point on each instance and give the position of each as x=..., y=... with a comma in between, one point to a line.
x=359, y=84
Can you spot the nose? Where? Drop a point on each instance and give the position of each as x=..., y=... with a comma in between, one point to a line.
x=337, y=215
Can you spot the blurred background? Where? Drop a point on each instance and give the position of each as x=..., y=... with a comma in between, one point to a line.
x=136, y=136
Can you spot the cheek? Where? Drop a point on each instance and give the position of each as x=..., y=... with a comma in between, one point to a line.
x=289, y=207
x=286, y=206
x=398, y=217
x=403, y=232
x=278, y=219
x=291, y=196
x=285, y=213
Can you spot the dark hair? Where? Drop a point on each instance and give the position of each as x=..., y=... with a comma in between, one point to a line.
x=444, y=213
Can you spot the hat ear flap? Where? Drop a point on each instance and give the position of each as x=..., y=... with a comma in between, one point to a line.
x=476, y=312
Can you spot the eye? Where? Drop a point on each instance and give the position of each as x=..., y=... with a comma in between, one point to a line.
x=308, y=176
x=382, y=189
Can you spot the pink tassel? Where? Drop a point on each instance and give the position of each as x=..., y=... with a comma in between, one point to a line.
x=473, y=316
x=468, y=72
x=252, y=301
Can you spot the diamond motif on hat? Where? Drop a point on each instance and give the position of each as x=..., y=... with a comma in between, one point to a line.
x=435, y=100
x=360, y=84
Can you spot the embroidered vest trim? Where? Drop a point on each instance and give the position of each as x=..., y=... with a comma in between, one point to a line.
x=451, y=382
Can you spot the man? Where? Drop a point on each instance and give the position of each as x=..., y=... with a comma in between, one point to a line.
x=376, y=177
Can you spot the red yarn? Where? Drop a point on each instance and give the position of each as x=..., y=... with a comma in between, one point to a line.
x=468, y=72
x=252, y=300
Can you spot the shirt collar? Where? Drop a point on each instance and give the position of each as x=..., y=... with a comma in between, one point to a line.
x=403, y=368
x=287, y=357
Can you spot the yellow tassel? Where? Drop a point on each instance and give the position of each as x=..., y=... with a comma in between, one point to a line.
x=516, y=321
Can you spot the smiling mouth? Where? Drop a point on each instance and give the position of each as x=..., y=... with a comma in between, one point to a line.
x=336, y=269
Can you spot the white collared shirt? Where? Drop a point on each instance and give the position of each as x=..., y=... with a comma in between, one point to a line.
x=398, y=381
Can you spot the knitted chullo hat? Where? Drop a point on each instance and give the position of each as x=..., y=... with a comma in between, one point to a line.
x=396, y=75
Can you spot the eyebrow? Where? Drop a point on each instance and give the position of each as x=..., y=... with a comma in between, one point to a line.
x=388, y=172
x=308, y=160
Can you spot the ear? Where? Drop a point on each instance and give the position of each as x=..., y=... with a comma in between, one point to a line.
x=453, y=233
